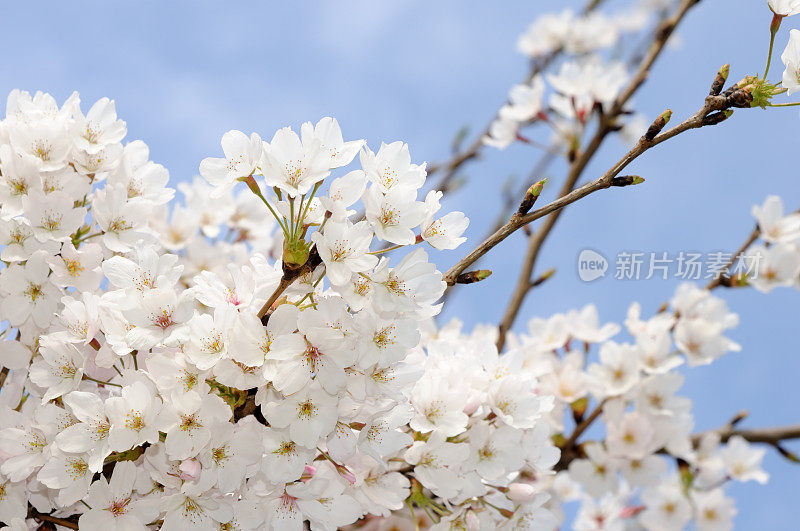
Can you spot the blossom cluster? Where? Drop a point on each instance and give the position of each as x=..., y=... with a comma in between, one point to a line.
x=158, y=372
x=586, y=82
x=628, y=474
x=146, y=384
x=264, y=355
x=641, y=467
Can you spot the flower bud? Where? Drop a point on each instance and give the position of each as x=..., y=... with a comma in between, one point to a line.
x=543, y=278
x=472, y=521
x=347, y=474
x=791, y=456
x=190, y=470
x=520, y=492
x=658, y=125
x=754, y=92
x=579, y=406
x=631, y=511
x=530, y=198
x=626, y=180
x=719, y=81
x=717, y=117
x=472, y=405
x=473, y=276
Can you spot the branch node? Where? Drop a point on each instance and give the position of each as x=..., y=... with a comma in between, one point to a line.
x=740, y=95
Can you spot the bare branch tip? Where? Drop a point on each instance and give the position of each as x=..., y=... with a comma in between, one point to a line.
x=472, y=277
x=627, y=180
x=530, y=198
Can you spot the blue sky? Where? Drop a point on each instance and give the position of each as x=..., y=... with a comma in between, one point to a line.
x=182, y=73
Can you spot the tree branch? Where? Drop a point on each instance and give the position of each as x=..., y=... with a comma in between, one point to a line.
x=536, y=240
x=723, y=277
x=772, y=436
x=584, y=425
x=713, y=103
x=33, y=513
x=289, y=276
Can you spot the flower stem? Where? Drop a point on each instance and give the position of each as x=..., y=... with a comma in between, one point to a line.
x=299, y=216
x=392, y=248
x=292, y=228
x=310, y=293
x=773, y=30
x=275, y=215
x=253, y=186
x=85, y=377
x=88, y=237
x=413, y=517
x=308, y=205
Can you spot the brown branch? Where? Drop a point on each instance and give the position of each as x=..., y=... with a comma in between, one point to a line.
x=771, y=436
x=580, y=164
x=584, y=425
x=289, y=276
x=723, y=277
x=33, y=513
x=516, y=222
x=570, y=449
x=606, y=126
x=510, y=199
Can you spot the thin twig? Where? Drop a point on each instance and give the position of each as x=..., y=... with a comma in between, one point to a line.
x=289, y=276
x=584, y=425
x=537, y=239
x=720, y=279
x=771, y=436
x=724, y=278
x=603, y=182
x=33, y=513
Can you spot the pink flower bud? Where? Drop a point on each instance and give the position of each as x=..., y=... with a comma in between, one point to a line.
x=190, y=470
x=310, y=470
x=346, y=474
x=520, y=492
x=631, y=511
x=473, y=524
x=472, y=405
